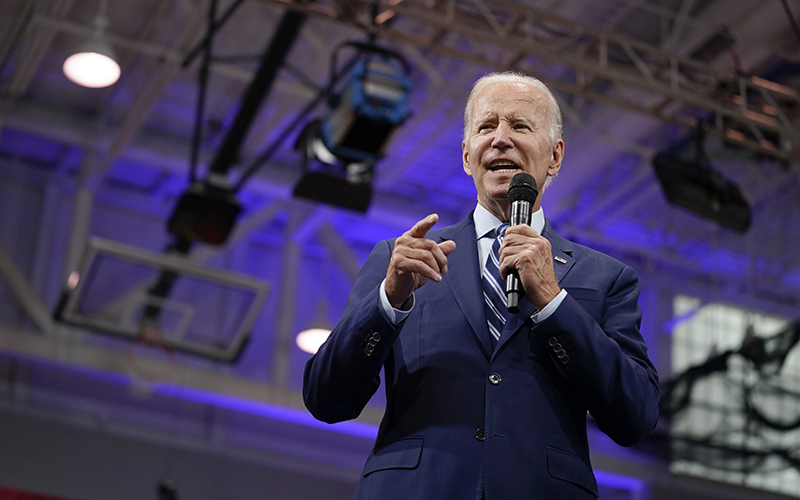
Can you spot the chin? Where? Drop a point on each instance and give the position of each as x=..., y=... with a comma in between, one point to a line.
x=500, y=188
x=499, y=197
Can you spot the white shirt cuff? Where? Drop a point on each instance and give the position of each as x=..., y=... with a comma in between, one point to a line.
x=550, y=308
x=392, y=315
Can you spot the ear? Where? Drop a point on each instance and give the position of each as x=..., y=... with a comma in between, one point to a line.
x=557, y=158
x=465, y=158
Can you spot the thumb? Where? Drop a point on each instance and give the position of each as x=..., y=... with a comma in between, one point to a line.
x=447, y=247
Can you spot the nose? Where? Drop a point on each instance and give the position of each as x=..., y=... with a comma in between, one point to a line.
x=502, y=136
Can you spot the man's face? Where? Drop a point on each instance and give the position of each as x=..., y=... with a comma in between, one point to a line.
x=507, y=134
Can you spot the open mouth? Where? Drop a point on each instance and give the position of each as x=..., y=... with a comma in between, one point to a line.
x=503, y=167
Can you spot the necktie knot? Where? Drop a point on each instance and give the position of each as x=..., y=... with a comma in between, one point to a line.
x=500, y=231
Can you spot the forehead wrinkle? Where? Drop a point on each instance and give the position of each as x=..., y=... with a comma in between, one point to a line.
x=483, y=109
x=511, y=119
x=491, y=102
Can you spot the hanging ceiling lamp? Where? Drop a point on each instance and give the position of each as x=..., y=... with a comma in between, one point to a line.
x=94, y=64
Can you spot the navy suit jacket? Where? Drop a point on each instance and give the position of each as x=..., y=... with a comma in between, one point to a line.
x=466, y=420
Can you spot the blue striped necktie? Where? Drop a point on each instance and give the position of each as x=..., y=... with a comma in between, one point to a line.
x=493, y=287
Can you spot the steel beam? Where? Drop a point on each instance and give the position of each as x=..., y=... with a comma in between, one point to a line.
x=39, y=41
x=284, y=326
x=650, y=75
x=26, y=296
x=340, y=251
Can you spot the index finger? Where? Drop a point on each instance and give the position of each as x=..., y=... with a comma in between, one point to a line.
x=422, y=227
x=522, y=229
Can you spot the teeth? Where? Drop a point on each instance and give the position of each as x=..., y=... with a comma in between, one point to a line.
x=504, y=168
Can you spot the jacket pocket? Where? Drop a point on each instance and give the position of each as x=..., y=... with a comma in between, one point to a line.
x=572, y=468
x=401, y=454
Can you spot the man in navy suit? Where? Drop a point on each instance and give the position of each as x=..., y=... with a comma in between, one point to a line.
x=469, y=416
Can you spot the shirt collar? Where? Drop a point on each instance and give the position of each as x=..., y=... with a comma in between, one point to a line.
x=486, y=222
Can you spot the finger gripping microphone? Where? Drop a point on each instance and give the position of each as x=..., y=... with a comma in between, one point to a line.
x=522, y=193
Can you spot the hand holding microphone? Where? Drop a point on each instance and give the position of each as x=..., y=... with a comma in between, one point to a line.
x=526, y=257
x=522, y=193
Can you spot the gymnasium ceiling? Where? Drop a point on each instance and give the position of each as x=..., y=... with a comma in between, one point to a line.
x=632, y=76
x=608, y=61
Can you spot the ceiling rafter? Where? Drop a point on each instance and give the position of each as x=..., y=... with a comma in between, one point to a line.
x=24, y=292
x=652, y=76
x=680, y=24
x=673, y=265
x=18, y=21
x=39, y=40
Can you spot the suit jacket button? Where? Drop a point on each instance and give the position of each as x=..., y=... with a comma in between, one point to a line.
x=564, y=360
x=479, y=435
x=495, y=379
x=552, y=341
x=557, y=347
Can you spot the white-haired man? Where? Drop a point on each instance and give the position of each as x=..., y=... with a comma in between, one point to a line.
x=478, y=409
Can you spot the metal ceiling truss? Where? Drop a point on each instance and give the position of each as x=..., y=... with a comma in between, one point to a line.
x=749, y=112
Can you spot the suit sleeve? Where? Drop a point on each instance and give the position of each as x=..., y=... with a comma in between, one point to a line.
x=606, y=361
x=344, y=374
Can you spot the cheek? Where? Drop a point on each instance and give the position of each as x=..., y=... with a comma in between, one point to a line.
x=543, y=152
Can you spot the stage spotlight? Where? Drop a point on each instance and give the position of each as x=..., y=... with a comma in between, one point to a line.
x=372, y=105
x=328, y=179
x=692, y=183
x=339, y=151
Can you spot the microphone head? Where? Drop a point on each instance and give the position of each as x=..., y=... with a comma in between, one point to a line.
x=523, y=188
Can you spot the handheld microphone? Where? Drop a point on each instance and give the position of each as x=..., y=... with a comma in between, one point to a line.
x=522, y=193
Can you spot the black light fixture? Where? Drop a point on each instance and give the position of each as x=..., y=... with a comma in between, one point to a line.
x=206, y=212
x=692, y=183
x=339, y=151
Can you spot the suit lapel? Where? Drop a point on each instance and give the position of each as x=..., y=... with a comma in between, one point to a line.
x=562, y=251
x=463, y=278
x=562, y=264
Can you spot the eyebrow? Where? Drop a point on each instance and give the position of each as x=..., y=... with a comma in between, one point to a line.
x=513, y=119
x=523, y=119
x=478, y=122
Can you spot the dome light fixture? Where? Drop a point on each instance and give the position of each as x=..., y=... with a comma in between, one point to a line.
x=94, y=63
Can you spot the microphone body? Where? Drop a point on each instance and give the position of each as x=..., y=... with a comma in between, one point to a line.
x=522, y=193
x=520, y=214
